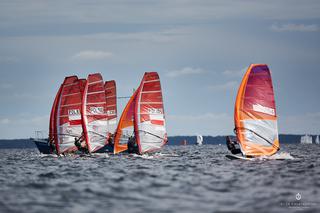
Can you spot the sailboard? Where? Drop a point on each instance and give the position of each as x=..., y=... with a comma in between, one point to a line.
x=94, y=115
x=149, y=118
x=111, y=101
x=237, y=157
x=281, y=156
x=255, y=114
x=67, y=124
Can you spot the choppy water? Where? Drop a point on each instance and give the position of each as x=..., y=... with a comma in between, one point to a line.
x=180, y=179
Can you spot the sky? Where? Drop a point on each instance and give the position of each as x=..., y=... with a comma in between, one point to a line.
x=200, y=49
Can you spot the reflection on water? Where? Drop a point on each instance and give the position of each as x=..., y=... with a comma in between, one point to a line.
x=179, y=179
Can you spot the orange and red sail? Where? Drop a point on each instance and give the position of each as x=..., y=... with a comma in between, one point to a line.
x=125, y=127
x=255, y=113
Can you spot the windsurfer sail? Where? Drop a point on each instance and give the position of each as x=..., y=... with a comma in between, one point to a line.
x=199, y=140
x=111, y=100
x=53, y=120
x=65, y=119
x=94, y=113
x=255, y=113
x=125, y=129
x=317, y=141
x=143, y=118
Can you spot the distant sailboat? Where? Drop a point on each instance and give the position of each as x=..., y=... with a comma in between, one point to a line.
x=306, y=139
x=143, y=118
x=255, y=113
x=42, y=142
x=184, y=142
x=317, y=140
x=199, y=140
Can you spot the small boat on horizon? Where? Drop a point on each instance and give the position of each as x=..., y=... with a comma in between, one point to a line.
x=306, y=139
x=42, y=142
x=199, y=140
x=184, y=142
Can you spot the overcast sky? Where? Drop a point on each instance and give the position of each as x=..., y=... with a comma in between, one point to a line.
x=200, y=49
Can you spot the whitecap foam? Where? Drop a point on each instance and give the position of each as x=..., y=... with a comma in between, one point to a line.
x=278, y=156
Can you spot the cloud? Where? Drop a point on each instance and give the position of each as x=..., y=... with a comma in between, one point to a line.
x=185, y=71
x=173, y=11
x=300, y=124
x=4, y=121
x=92, y=55
x=160, y=36
x=200, y=117
x=27, y=124
x=234, y=73
x=294, y=28
x=230, y=85
x=8, y=60
x=6, y=86
x=206, y=124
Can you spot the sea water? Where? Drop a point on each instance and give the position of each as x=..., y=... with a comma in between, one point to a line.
x=179, y=179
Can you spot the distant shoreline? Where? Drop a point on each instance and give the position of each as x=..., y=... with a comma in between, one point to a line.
x=173, y=140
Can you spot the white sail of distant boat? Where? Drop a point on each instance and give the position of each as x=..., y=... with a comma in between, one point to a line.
x=306, y=139
x=199, y=140
x=317, y=140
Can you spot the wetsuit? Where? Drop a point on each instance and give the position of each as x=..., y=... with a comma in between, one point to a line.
x=52, y=146
x=77, y=143
x=132, y=145
x=232, y=146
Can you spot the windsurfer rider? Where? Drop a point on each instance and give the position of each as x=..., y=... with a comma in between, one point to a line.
x=232, y=146
x=132, y=145
x=110, y=139
x=77, y=143
x=52, y=146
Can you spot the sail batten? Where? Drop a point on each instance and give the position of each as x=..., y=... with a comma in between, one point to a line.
x=255, y=113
